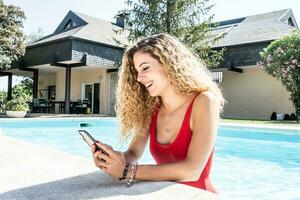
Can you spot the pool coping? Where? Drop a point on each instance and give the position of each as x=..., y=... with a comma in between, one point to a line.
x=222, y=124
x=29, y=174
x=259, y=126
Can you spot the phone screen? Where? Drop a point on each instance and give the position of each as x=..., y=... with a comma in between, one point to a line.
x=90, y=140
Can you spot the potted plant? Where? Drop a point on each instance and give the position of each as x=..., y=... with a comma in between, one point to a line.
x=16, y=108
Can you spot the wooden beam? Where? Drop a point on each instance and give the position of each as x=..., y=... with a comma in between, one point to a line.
x=68, y=90
x=112, y=70
x=35, y=83
x=234, y=69
x=9, y=88
x=81, y=63
x=5, y=73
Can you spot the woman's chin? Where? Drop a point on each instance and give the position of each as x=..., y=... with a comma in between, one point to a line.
x=152, y=94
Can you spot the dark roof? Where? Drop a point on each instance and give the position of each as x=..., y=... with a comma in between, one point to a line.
x=87, y=28
x=256, y=28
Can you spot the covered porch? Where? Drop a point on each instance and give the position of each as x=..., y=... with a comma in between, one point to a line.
x=74, y=70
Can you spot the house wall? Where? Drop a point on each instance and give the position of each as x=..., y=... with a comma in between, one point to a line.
x=56, y=51
x=60, y=85
x=242, y=55
x=113, y=81
x=254, y=95
x=43, y=83
x=80, y=76
x=97, y=54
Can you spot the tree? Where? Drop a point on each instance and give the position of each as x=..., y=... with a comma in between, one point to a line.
x=3, y=95
x=11, y=35
x=188, y=20
x=281, y=59
x=23, y=89
x=19, y=93
x=27, y=84
x=34, y=36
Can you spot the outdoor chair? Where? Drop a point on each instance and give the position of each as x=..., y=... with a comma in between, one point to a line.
x=40, y=105
x=81, y=106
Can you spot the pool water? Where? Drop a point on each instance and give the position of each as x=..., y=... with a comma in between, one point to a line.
x=249, y=163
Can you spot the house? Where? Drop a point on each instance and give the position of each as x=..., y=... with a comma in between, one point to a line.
x=79, y=61
x=250, y=92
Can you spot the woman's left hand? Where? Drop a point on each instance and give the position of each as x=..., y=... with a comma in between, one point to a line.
x=113, y=164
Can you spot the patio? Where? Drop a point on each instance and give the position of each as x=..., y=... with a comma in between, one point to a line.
x=58, y=107
x=54, y=115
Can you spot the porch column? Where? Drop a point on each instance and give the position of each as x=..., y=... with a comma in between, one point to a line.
x=35, y=83
x=9, y=87
x=68, y=89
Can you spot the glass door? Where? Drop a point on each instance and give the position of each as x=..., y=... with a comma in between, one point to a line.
x=87, y=96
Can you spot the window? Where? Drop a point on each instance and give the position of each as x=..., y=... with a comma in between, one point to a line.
x=87, y=94
x=70, y=24
x=51, y=92
x=290, y=22
x=217, y=76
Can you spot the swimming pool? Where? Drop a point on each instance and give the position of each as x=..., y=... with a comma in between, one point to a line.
x=249, y=163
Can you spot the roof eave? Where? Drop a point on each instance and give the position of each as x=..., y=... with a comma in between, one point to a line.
x=243, y=44
x=72, y=38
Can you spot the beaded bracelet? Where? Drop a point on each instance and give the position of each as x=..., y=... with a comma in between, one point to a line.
x=125, y=171
x=131, y=181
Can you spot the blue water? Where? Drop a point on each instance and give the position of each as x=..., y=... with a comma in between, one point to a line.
x=249, y=163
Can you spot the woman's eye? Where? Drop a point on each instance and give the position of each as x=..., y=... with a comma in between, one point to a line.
x=145, y=68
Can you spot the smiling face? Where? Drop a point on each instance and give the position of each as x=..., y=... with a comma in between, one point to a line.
x=151, y=73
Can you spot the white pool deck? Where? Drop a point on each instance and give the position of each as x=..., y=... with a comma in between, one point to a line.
x=29, y=171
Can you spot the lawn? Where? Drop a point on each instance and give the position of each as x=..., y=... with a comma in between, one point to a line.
x=273, y=122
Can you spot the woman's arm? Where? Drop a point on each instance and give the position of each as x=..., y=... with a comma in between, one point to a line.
x=203, y=124
x=136, y=148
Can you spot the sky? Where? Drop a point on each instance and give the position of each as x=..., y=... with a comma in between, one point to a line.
x=47, y=15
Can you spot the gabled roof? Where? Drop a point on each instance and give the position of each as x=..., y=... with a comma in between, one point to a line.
x=256, y=28
x=86, y=28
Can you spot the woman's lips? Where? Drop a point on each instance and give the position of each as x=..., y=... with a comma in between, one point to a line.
x=149, y=84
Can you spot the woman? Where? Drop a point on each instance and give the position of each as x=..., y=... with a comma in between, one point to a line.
x=166, y=94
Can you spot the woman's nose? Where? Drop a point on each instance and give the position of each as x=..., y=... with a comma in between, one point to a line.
x=140, y=77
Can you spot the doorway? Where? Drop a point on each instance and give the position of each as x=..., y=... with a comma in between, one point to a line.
x=91, y=93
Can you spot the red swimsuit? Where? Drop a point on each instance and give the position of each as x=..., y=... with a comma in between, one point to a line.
x=177, y=150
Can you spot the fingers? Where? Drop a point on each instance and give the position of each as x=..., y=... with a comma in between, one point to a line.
x=105, y=147
x=98, y=155
x=101, y=164
x=99, y=161
x=112, y=164
x=102, y=156
x=93, y=148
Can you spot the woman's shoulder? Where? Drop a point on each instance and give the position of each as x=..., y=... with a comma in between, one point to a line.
x=205, y=106
x=204, y=99
x=205, y=102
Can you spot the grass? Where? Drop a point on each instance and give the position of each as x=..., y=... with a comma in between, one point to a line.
x=257, y=121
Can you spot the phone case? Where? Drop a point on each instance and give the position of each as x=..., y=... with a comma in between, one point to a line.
x=90, y=140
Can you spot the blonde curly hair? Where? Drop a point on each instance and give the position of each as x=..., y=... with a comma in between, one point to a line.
x=187, y=74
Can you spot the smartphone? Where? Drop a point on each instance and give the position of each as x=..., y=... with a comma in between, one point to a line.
x=90, y=140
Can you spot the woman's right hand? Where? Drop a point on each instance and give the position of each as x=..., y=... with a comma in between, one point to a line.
x=113, y=163
x=100, y=163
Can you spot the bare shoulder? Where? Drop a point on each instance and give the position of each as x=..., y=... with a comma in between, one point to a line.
x=205, y=99
x=205, y=108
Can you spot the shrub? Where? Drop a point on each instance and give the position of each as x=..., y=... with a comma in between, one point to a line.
x=18, y=104
x=293, y=116
x=287, y=117
x=281, y=59
x=273, y=116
